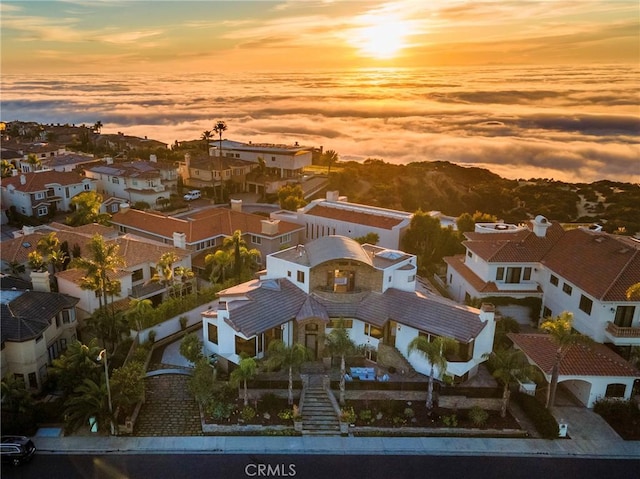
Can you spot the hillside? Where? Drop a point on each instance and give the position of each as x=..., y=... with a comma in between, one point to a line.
x=453, y=190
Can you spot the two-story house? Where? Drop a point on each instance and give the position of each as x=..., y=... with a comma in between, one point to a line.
x=135, y=181
x=43, y=192
x=204, y=230
x=287, y=161
x=141, y=257
x=37, y=325
x=306, y=290
x=583, y=271
x=214, y=172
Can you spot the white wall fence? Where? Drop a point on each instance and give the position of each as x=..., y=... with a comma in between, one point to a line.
x=171, y=326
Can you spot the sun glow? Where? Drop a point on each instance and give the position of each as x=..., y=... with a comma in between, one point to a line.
x=382, y=38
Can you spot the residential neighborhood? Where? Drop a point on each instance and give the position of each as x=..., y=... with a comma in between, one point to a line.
x=315, y=320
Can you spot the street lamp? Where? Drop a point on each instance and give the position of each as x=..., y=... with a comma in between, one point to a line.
x=103, y=357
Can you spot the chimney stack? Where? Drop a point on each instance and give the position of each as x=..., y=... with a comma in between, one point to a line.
x=270, y=227
x=23, y=180
x=179, y=240
x=124, y=208
x=236, y=205
x=540, y=226
x=40, y=281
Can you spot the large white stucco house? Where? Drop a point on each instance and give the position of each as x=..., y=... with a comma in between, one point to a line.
x=335, y=215
x=583, y=271
x=306, y=290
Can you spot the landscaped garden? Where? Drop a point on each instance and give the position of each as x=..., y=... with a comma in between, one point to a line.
x=622, y=416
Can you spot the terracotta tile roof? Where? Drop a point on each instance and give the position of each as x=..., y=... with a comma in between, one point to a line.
x=41, y=180
x=581, y=360
x=200, y=225
x=521, y=247
x=602, y=265
x=18, y=249
x=351, y=216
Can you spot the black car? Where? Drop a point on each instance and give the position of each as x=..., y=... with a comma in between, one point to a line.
x=16, y=449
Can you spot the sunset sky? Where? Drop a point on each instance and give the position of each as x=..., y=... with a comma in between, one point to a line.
x=211, y=36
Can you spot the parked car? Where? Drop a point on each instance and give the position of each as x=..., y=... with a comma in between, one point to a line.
x=16, y=449
x=193, y=195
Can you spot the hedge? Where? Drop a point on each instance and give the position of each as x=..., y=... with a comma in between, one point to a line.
x=543, y=420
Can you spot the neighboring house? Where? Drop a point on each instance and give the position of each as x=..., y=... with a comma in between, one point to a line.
x=43, y=151
x=15, y=252
x=589, y=372
x=43, y=192
x=583, y=271
x=306, y=290
x=334, y=215
x=69, y=161
x=137, y=181
x=37, y=326
x=213, y=172
x=122, y=142
x=141, y=258
x=287, y=161
x=204, y=230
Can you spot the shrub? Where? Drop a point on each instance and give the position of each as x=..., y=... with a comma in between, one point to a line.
x=408, y=413
x=478, y=416
x=219, y=410
x=544, y=421
x=286, y=414
x=247, y=413
x=450, y=421
x=347, y=414
x=366, y=416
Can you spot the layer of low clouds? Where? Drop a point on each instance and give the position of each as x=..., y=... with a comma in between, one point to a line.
x=573, y=124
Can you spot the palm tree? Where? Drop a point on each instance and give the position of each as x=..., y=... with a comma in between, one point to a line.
x=76, y=364
x=338, y=343
x=246, y=370
x=138, y=310
x=219, y=128
x=509, y=366
x=330, y=157
x=90, y=400
x=565, y=337
x=434, y=352
x=291, y=357
x=97, y=126
x=221, y=260
x=15, y=396
x=103, y=260
x=87, y=210
x=34, y=162
x=15, y=268
x=206, y=136
x=164, y=273
x=6, y=168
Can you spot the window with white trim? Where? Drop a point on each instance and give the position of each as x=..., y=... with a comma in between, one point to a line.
x=42, y=211
x=256, y=239
x=285, y=238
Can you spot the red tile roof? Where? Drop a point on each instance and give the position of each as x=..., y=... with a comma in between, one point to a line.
x=357, y=217
x=41, y=180
x=581, y=360
x=602, y=265
x=522, y=247
x=199, y=225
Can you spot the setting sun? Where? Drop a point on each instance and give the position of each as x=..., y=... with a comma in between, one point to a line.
x=383, y=39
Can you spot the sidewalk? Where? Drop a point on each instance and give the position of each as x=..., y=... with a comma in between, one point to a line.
x=441, y=446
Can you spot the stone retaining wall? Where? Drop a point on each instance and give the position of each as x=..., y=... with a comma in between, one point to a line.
x=463, y=402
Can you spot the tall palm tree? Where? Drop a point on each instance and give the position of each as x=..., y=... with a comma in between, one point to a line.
x=330, y=157
x=87, y=210
x=103, y=259
x=15, y=268
x=338, y=343
x=221, y=261
x=565, y=337
x=219, y=128
x=97, y=126
x=246, y=370
x=434, y=352
x=165, y=273
x=509, y=366
x=34, y=162
x=290, y=357
x=206, y=136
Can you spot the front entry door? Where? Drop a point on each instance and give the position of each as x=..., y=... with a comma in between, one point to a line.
x=311, y=342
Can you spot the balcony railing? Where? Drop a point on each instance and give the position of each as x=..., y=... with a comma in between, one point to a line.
x=144, y=290
x=622, y=332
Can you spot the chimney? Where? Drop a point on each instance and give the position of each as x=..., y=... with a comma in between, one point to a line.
x=179, y=240
x=124, y=208
x=333, y=195
x=40, y=281
x=14, y=172
x=540, y=225
x=270, y=227
x=487, y=312
x=187, y=159
x=23, y=180
x=28, y=230
x=153, y=158
x=236, y=205
x=109, y=160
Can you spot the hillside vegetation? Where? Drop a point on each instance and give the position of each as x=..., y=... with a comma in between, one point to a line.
x=453, y=190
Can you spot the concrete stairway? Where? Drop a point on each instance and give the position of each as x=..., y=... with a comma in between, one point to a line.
x=319, y=416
